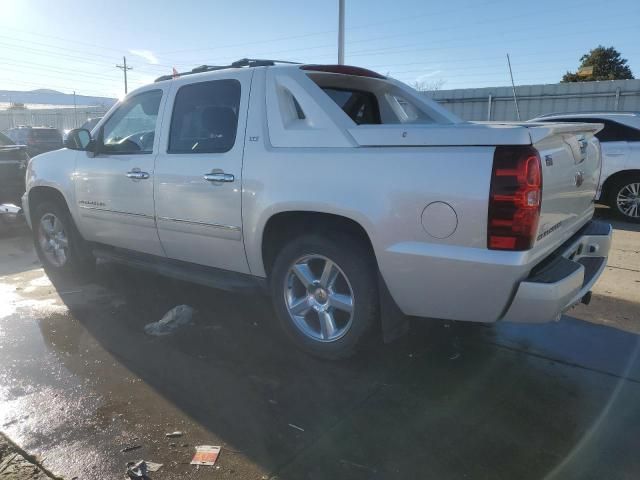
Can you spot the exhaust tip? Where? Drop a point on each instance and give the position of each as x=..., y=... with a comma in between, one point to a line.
x=587, y=298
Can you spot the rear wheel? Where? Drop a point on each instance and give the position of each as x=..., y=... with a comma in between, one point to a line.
x=624, y=198
x=325, y=294
x=59, y=245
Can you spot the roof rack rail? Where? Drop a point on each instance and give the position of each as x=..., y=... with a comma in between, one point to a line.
x=244, y=62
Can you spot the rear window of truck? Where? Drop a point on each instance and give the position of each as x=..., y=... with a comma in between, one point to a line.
x=46, y=134
x=362, y=107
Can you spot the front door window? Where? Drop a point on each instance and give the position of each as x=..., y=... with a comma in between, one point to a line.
x=131, y=129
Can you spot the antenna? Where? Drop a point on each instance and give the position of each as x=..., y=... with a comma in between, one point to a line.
x=513, y=87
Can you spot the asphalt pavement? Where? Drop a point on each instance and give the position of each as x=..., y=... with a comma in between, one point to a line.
x=81, y=381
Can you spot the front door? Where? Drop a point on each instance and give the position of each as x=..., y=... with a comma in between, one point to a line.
x=114, y=188
x=198, y=176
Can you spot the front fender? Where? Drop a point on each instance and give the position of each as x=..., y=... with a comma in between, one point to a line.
x=54, y=170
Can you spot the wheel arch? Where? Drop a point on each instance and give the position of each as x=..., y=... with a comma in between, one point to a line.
x=613, y=180
x=285, y=224
x=42, y=193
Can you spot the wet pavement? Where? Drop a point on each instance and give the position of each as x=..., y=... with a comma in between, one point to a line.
x=80, y=381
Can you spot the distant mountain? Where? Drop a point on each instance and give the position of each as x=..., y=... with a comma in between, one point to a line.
x=52, y=97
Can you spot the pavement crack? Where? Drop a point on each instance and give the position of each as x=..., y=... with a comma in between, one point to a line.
x=563, y=362
x=624, y=268
x=312, y=442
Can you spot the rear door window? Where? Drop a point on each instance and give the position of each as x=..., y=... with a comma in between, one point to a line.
x=205, y=117
x=362, y=107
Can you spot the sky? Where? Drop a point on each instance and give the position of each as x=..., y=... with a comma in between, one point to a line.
x=75, y=45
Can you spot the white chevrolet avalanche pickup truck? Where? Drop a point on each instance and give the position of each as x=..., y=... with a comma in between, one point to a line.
x=354, y=200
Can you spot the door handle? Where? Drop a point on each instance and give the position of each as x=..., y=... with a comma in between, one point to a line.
x=219, y=177
x=137, y=175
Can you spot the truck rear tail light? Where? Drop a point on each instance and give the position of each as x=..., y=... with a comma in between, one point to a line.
x=515, y=198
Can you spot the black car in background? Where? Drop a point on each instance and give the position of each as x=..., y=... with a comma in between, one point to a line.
x=13, y=162
x=37, y=139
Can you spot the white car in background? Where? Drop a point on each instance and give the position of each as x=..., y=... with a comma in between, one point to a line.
x=620, y=142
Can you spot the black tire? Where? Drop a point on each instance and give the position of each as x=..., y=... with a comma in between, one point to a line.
x=356, y=263
x=623, y=185
x=78, y=256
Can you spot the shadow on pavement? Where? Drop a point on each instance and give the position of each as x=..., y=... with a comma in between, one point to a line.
x=605, y=214
x=447, y=401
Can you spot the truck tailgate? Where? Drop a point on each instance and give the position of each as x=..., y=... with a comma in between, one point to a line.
x=571, y=161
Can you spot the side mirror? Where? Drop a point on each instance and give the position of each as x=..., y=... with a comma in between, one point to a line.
x=79, y=139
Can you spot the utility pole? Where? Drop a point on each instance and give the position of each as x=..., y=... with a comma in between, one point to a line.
x=513, y=87
x=75, y=113
x=124, y=68
x=341, y=32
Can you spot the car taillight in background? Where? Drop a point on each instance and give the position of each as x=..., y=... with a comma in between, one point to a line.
x=515, y=197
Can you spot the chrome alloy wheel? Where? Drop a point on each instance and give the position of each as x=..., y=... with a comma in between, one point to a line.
x=319, y=298
x=53, y=240
x=628, y=200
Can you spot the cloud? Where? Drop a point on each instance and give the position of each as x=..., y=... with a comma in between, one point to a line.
x=148, y=55
x=425, y=76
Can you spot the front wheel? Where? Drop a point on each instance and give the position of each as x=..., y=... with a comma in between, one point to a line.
x=625, y=198
x=59, y=245
x=325, y=294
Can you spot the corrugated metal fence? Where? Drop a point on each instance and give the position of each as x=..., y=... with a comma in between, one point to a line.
x=60, y=118
x=496, y=103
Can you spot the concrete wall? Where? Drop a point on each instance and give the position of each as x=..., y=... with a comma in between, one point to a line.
x=496, y=103
x=60, y=118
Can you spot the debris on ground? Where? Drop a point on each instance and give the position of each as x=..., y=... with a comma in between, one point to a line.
x=296, y=427
x=140, y=468
x=137, y=469
x=130, y=448
x=205, y=455
x=152, y=466
x=173, y=434
x=16, y=464
x=175, y=318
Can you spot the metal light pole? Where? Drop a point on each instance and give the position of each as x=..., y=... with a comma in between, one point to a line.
x=341, y=32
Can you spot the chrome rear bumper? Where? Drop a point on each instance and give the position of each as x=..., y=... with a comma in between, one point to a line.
x=563, y=279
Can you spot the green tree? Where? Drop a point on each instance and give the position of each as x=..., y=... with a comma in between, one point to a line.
x=607, y=65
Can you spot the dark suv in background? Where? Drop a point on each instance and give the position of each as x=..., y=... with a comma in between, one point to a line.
x=13, y=161
x=37, y=139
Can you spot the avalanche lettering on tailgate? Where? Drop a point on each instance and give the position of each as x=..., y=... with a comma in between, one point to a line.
x=549, y=231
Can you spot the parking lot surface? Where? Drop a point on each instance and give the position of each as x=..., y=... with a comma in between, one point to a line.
x=81, y=381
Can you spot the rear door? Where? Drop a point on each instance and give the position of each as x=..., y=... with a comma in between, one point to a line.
x=198, y=180
x=114, y=189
